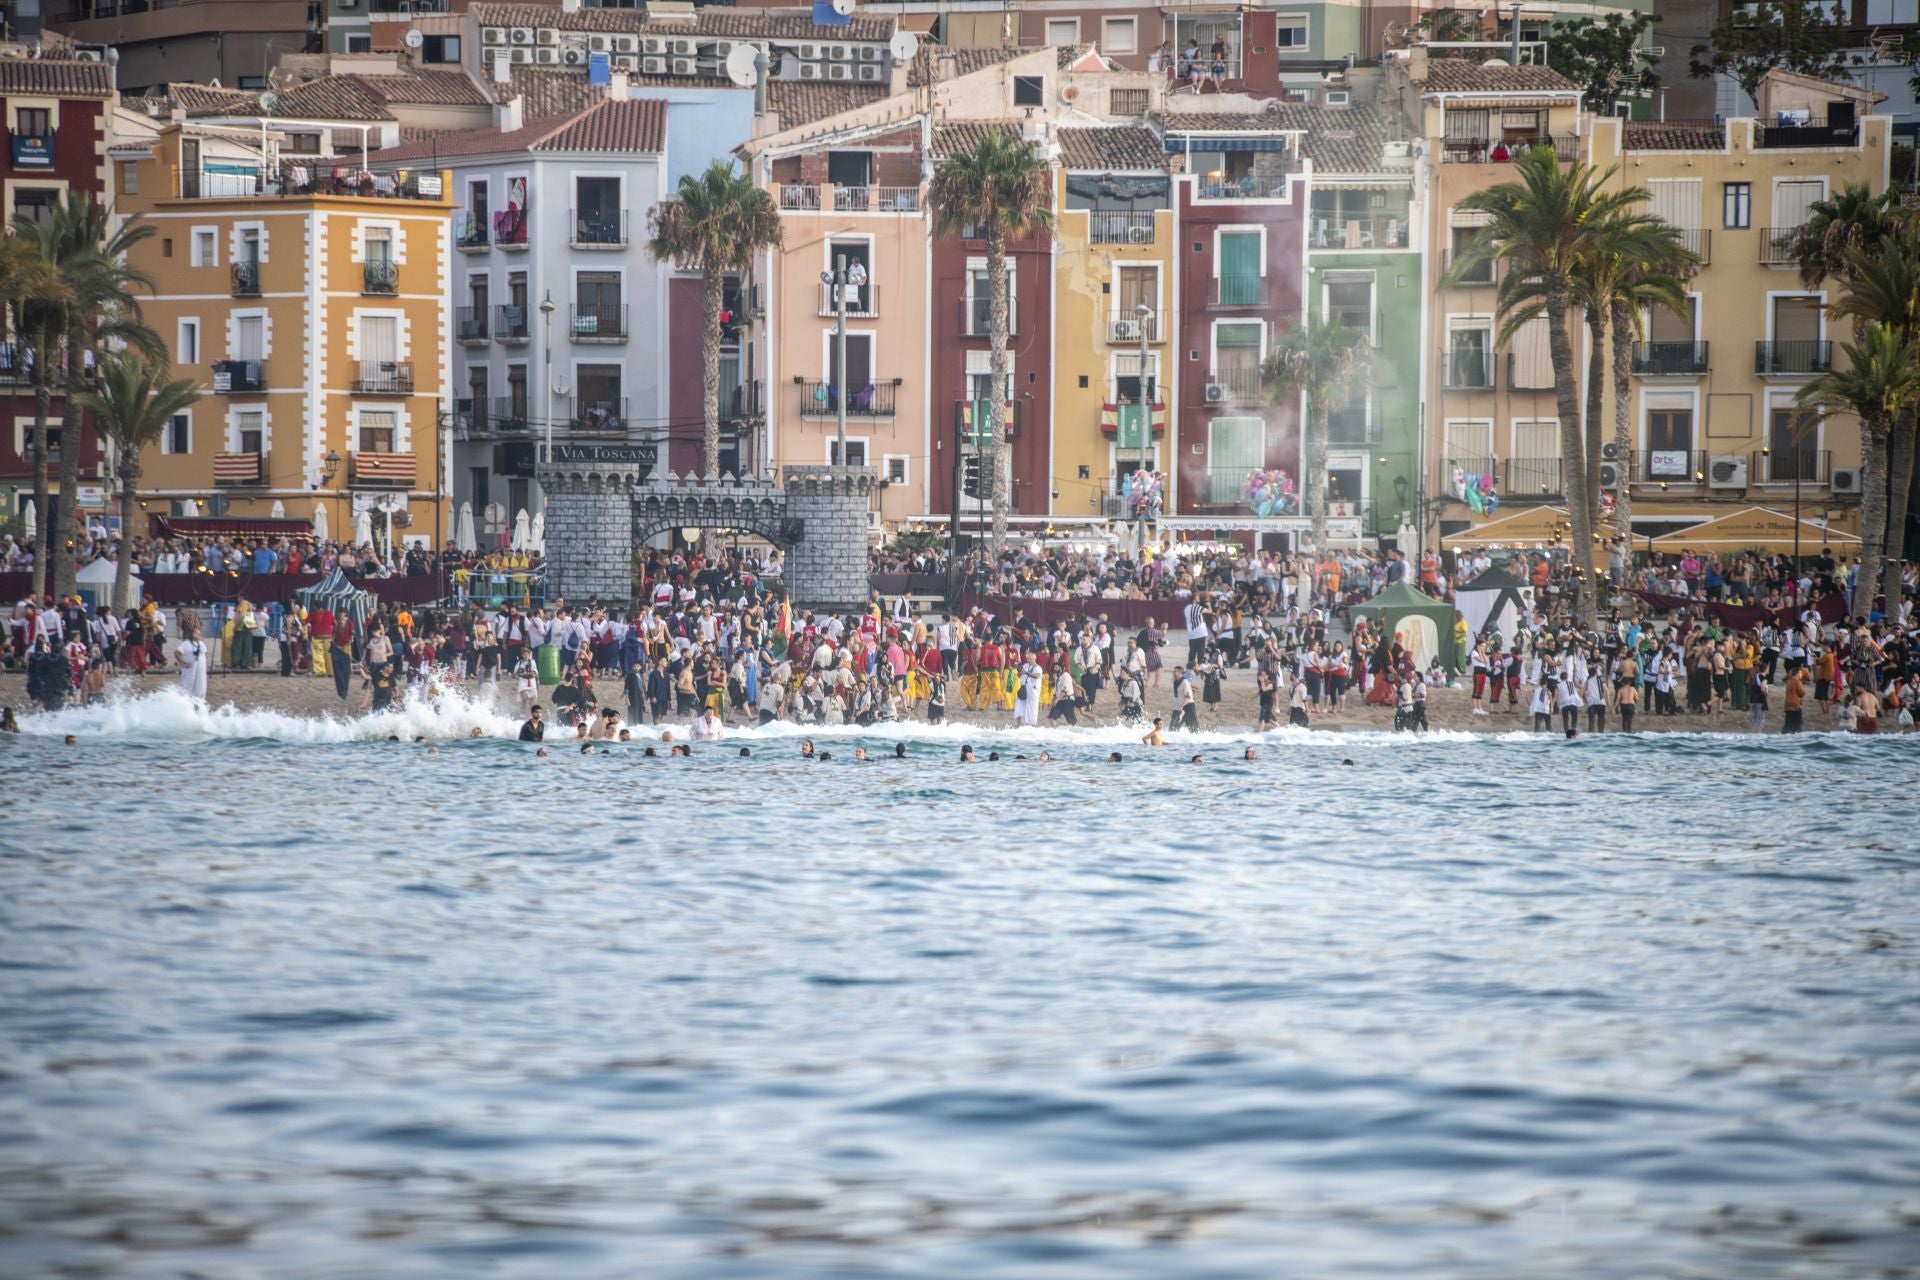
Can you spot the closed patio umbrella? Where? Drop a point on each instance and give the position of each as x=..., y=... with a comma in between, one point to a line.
x=463, y=529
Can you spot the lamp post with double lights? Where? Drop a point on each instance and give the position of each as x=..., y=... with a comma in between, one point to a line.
x=546, y=316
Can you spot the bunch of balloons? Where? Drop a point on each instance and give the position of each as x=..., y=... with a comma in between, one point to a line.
x=1477, y=491
x=1142, y=493
x=1270, y=493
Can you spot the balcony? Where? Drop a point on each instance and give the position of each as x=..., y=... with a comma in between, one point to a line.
x=970, y=421
x=602, y=416
x=383, y=378
x=1234, y=386
x=1237, y=291
x=470, y=325
x=1505, y=150
x=510, y=231
x=382, y=470
x=1698, y=241
x=799, y=198
x=1792, y=359
x=1466, y=370
x=1528, y=375
x=1111, y=227
x=976, y=317
x=1128, y=329
x=1480, y=275
x=380, y=278
x=16, y=365
x=1532, y=477
x=1270, y=185
x=1669, y=359
x=509, y=416
x=1358, y=233
x=1773, y=136
x=1791, y=466
x=1468, y=464
x=1679, y=468
x=246, y=279
x=1779, y=246
x=239, y=470
x=876, y=199
x=740, y=402
x=307, y=176
x=470, y=231
x=510, y=323
x=863, y=300
x=234, y=377
x=821, y=399
x=598, y=228
x=604, y=323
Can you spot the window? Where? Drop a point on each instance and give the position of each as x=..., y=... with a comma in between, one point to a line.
x=1128, y=102
x=597, y=310
x=1470, y=445
x=1670, y=444
x=360, y=43
x=1290, y=31
x=1119, y=35
x=33, y=122
x=186, y=349
x=856, y=453
x=1063, y=31
x=1892, y=13
x=1349, y=303
x=249, y=338
x=980, y=379
x=596, y=202
x=1237, y=358
x=1235, y=446
x=250, y=431
x=517, y=391
x=858, y=254
x=850, y=168
x=1126, y=379
x=1137, y=286
x=35, y=204
x=129, y=179
x=1793, y=436
x=379, y=242
x=1480, y=272
x=376, y=431
x=1469, y=355
x=1666, y=326
x=859, y=360
x=597, y=402
x=1238, y=268
x=440, y=49
x=1532, y=362
x=250, y=245
x=206, y=247
x=179, y=436
x=1347, y=424
x=1793, y=201
x=1029, y=91
x=1535, y=465
x=1736, y=201
x=896, y=468
x=379, y=346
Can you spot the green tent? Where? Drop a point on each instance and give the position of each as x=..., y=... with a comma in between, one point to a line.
x=1426, y=624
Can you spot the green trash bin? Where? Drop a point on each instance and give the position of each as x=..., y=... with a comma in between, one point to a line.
x=547, y=658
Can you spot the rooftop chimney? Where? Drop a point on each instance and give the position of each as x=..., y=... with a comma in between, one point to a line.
x=617, y=87
x=509, y=115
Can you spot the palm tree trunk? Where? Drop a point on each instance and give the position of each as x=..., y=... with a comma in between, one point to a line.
x=1317, y=470
x=997, y=328
x=1899, y=484
x=1873, y=514
x=65, y=531
x=712, y=297
x=1572, y=447
x=1596, y=403
x=1622, y=420
x=42, y=407
x=123, y=562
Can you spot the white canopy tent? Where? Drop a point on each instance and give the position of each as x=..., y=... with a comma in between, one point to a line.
x=1495, y=603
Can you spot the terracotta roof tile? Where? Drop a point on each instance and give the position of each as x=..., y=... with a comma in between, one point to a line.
x=55, y=77
x=1461, y=75
x=636, y=125
x=801, y=102
x=425, y=89
x=952, y=139
x=1649, y=135
x=1114, y=147
x=549, y=92
x=333, y=98
x=965, y=61
x=737, y=24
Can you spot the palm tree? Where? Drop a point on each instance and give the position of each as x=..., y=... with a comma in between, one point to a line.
x=1837, y=228
x=1002, y=187
x=1880, y=383
x=1327, y=363
x=80, y=244
x=131, y=405
x=1653, y=272
x=1540, y=225
x=715, y=224
x=28, y=284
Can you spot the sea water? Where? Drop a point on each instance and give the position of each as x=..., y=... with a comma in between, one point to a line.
x=280, y=998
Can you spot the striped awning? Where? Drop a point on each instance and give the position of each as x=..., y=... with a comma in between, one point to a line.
x=1181, y=143
x=388, y=467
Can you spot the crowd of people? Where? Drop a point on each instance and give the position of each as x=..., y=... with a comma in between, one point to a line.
x=275, y=555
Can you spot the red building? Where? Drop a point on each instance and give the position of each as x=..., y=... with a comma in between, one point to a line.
x=1243, y=246
x=56, y=115
x=961, y=378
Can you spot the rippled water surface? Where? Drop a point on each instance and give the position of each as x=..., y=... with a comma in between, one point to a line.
x=1498, y=1008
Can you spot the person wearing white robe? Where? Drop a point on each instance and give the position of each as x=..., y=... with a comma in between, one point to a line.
x=191, y=654
x=1026, y=706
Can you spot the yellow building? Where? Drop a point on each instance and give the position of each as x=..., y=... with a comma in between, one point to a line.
x=1715, y=427
x=1113, y=296
x=310, y=303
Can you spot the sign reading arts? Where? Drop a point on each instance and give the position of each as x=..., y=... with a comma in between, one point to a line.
x=32, y=151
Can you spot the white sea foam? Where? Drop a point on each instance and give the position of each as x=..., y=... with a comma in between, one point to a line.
x=168, y=714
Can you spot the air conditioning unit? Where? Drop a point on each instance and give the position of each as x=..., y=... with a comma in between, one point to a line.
x=869, y=73
x=1846, y=480
x=1113, y=506
x=523, y=35
x=718, y=50
x=522, y=57
x=842, y=52
x=653, y=66
x=653, y=44
x=808, y=52
x=873, y=520
x=869, y=53
x=684, y=48
x=1609, y=451
x=685, y=67
x=625, y=62
x=1126, y=330
x=1727, y=471
x=599, y=44
x=1216, y=393
x=1609, y=475
x=626, y=44
x=547, y=57
x=493, y=35
x=573, y=57
x=546, y=35
x=839, y=71
x=1139, y=235
x=810, y=71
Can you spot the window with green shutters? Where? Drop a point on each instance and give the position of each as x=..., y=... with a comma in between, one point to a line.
x=1235, y=447
x=1239, y=268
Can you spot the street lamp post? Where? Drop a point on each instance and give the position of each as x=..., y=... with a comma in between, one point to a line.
x=836, y=280
x=1141, y=314
x=546, y=315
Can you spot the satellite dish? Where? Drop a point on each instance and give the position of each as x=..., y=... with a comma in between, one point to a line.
x=414, y=39
x=741, y=68
x=494, y=516
x=269, y=100
x=843, y=7
x=903, y=46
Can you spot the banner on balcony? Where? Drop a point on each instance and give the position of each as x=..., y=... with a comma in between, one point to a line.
x=1122, y=422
